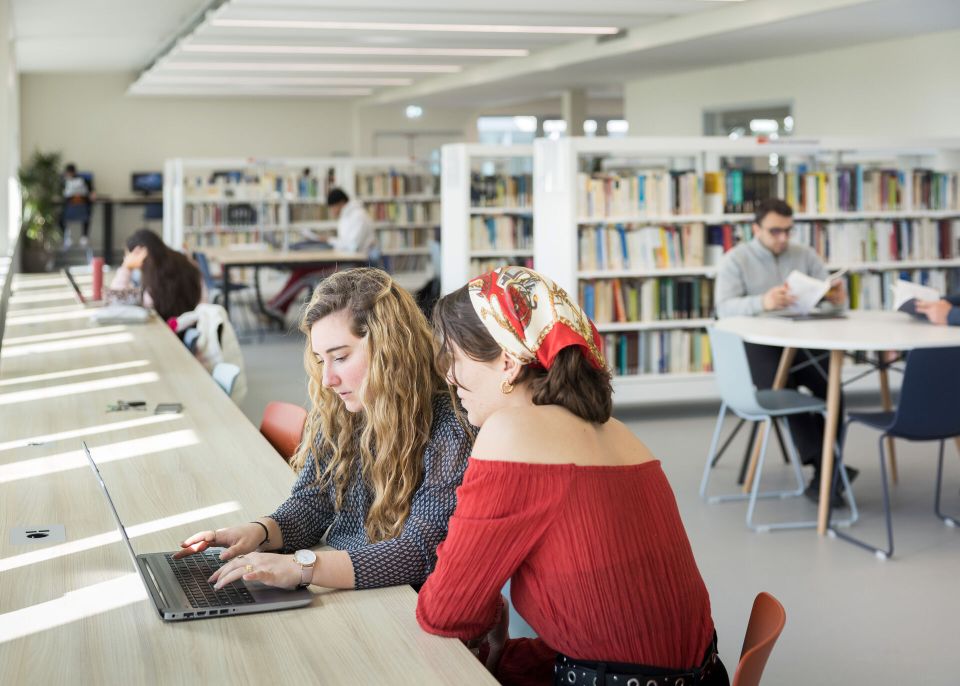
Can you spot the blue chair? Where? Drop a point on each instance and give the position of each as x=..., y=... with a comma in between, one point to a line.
x=740, y=396
x=215, y=287
x=928, y=410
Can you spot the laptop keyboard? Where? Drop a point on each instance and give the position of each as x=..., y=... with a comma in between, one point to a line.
x=193, y=571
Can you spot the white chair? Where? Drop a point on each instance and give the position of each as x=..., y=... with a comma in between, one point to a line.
x=740, y=396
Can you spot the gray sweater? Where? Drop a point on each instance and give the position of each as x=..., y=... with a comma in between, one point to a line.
x=750, y=270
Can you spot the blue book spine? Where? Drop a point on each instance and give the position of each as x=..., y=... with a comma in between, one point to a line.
x=641, y=192
x=588, y=300
x=492, y=231
x=622, y=231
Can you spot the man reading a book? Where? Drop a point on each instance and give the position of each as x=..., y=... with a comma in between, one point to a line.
x=751, y=280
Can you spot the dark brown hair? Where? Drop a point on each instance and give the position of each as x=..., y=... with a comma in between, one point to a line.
x=775, y=205
x=171, y=278
x=571, y=382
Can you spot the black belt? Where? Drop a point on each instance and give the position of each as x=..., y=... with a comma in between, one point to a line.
x=573, y=672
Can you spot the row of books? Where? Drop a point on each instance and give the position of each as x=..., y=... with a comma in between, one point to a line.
x=658, y=352
x=654, y=192
x=394, y=239
x=226, y=237
x=268, y=185
x=396, y=184
x=406, y=263
x=626, y=246
x=233, y=214
x=874, y=290
x=501, y=190
x=660, y=192
x=309, y=213
x=480, y=266
x=426, y=212
x=881, y=241
x=646, y=300
x=501, y=233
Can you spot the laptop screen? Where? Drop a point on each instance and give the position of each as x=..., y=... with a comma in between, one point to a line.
x=78, y=294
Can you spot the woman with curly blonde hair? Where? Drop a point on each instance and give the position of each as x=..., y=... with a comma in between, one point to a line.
x=382, y=453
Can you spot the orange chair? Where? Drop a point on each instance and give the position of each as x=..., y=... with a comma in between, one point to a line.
x=282, y=426
x=766, y=622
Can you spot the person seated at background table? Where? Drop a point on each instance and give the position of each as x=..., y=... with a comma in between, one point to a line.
x=382, y=454
x=751, y=279
x=561, y=499
x=171, y=282
x=355, y=235
x=945, y=312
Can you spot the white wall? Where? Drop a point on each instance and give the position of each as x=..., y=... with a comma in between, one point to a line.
x=93, y=123
x=905, y=87
x=9, y=130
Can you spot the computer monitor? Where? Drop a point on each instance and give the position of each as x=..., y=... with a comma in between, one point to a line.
x=146, y=182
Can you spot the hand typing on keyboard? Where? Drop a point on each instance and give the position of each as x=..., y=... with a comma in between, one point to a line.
x=236, y=539
x=271, y=569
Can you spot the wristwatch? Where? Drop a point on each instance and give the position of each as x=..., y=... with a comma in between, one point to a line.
x=306, y=559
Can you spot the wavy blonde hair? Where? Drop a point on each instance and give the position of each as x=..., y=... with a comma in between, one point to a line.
x=389, y=436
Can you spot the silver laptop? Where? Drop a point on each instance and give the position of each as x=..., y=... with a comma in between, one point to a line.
x=77, y=293
x=179, y=588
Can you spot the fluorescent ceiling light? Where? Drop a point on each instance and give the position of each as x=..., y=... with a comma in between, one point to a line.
x=764, y=125
x=233, y=91
x=277, y=80
x=414, y=111
x=309, y=66
x=389, y=26
x=353, y=50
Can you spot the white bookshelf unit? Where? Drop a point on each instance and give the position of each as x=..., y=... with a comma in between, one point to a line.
x=487, y=209
x=635, y=227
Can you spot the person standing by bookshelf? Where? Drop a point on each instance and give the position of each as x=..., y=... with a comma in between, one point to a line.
x=751, y=280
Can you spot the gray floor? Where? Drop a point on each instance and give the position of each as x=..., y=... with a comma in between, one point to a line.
x=851, y=618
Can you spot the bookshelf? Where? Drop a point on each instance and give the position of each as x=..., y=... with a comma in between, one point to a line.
x=404, y=202
x=221, y=202
x=487, y=210
x=635, y=227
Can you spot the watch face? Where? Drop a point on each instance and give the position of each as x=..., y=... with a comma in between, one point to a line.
x=305, y=557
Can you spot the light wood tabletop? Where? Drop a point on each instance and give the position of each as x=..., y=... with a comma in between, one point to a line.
x=76, y=610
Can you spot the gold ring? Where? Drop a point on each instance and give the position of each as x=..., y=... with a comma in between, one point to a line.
x=249, y=568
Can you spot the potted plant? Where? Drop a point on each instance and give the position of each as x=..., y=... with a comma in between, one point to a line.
x=41, y=186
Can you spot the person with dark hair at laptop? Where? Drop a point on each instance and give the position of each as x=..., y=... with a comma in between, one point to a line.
x=382, y=455
x=751, y=280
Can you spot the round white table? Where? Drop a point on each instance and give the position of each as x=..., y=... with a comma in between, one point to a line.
x=859, y=330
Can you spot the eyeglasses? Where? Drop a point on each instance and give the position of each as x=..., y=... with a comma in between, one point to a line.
x=777, y=233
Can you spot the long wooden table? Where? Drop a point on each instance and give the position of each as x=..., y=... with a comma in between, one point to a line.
x=76, y=611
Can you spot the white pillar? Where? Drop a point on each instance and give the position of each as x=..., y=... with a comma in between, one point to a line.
x=573, y=107
x=9, y=130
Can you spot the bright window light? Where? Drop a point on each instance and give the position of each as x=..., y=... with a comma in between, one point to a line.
x=590, y=127
x=77, y=388
x=525, y=124
x=228, y=49
x=618, y=126
x=58, y=315
x=91, y=542
x=310, y=66
x=89, y=431
x=413, y=111
x=76, y=459
x=19, y=298
x=58, y=335
x=764, y=125
x=64, y=344
x=72, y=606
x=33, y=378
x=387, y=26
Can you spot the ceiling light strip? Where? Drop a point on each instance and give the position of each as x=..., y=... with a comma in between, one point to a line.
x=351, y=50
x=388, y=26
x=310, y=66
x=276, y=80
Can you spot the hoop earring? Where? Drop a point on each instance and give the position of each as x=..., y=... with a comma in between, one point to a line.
x=506, y=387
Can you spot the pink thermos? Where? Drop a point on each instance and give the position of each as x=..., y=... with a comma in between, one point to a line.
x=96, y=266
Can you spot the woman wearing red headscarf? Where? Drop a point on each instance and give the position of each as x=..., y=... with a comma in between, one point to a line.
x=563, y=501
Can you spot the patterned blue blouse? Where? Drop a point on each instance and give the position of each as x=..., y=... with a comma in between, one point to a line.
x=407, y=559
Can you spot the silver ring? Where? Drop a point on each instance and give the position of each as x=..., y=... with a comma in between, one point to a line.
x=571, y=677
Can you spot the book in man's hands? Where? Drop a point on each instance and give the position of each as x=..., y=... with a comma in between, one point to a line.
x=808, y=291
x=906, y=294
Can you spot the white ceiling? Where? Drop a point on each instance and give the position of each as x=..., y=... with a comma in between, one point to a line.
x=663, y=36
